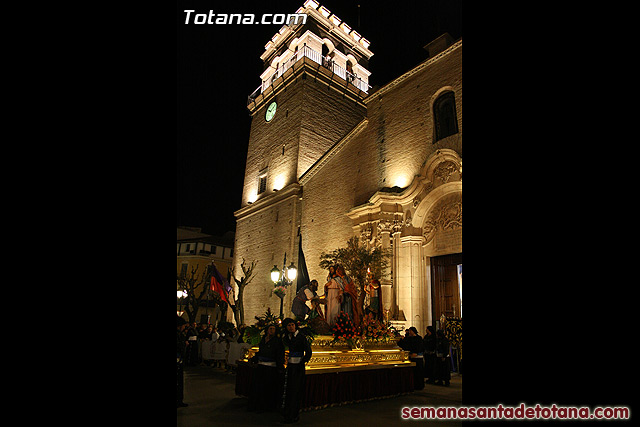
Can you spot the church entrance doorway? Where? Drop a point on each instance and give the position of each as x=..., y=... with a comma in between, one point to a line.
x=446, y=287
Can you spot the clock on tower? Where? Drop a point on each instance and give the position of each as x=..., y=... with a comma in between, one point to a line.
x=271, y=111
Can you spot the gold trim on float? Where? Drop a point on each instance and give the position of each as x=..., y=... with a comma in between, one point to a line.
x=338, y=357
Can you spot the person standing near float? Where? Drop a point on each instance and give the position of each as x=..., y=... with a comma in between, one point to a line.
x=429, y=341
x=265, y=381
x=181, y=351
x=443, y=362
x=414, y=344
x=299, y=354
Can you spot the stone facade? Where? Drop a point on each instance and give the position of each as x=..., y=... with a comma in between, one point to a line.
x=346, y=163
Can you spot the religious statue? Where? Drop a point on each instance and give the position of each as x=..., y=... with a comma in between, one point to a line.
x=332, y=290
x=306, y=302
x=374, y=299
x=341, y=296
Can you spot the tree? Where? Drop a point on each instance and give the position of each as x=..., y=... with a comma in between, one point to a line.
x=242, y=283
x=357, y=259
x=191, y=284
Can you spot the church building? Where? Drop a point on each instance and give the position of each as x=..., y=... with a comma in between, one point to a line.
x=329, y=158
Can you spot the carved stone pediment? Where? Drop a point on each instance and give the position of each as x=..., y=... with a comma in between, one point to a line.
x=444, y=170
x=445, y=215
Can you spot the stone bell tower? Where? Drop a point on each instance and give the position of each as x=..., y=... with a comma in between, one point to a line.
x=311, y=95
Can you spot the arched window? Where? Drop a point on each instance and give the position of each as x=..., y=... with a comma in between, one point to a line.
x=325, y=49
x=444, y=115
x=325, y=53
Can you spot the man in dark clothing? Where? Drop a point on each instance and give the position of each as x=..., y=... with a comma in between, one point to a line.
x=412, y=342
x=180, y=349
x=265, y=381
x=442, y=369
x=191, y=355
x=306, y=293
x=299, y=354
x=429, y=354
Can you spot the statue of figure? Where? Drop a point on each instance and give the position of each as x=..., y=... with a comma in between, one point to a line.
x=332, y=292
x=349, y=297
x=375, y=301
x=306, y=294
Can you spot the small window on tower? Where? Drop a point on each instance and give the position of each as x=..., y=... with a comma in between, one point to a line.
x=263, y=185
x=262, y=182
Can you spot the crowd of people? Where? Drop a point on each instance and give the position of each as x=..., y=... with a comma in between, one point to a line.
x=204, y=344
x=207, y=345
x=430, y=354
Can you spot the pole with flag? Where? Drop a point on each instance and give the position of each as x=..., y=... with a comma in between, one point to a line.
x=303, y=274
x=219, y=284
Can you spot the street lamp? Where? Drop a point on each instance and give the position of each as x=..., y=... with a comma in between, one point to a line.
x=282, y=278
x=275, y=274
x=292, y=271
x=182, y=294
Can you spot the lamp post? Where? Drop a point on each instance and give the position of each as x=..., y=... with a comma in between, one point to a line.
x=282, y=278
x=181, y=295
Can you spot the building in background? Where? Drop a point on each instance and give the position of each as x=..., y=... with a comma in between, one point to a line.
x=198, y=250
x=330, y=158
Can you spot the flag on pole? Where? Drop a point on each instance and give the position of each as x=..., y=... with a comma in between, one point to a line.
x=303, y=274
x=219, y=284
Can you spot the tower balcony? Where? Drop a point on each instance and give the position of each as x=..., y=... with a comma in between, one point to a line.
x=313, y=57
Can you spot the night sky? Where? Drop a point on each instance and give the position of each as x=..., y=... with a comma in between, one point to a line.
x=218, y=66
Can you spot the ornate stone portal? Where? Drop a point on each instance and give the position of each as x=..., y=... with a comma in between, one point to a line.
x=417, y=223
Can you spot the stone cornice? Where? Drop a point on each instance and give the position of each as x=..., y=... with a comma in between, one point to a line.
x=317, y=73
x=287, y=192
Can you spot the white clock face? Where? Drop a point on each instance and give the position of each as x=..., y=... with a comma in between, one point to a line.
x=271, y=111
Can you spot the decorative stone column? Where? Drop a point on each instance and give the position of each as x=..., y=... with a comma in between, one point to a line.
x=388, y=300
x=411, y=286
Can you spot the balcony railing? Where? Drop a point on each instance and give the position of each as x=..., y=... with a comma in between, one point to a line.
x=326, y=62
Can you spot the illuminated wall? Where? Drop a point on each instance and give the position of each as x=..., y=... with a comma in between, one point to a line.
x=337, y=168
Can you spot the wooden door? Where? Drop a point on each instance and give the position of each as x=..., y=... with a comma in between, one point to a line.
x=445, y=292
